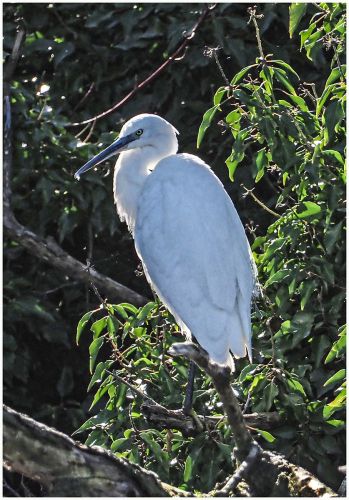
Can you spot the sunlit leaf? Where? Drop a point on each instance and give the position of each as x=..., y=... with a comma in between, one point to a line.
x=297, y=11
x=82, y=324
x=337, y=377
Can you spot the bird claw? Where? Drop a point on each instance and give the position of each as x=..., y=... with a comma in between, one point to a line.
x=181, y=349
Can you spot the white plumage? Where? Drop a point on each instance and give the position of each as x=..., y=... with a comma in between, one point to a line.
x=188, y=235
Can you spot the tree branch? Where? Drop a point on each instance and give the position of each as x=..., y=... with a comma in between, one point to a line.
x=154, y=74
x=266, y=473
x=163, y=418
x=220, y=376
x=67, y=468
x=49, y=251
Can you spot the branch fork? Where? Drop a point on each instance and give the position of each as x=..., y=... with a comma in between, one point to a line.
x=221, y=379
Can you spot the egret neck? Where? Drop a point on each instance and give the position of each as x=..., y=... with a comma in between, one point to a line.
x=131, y=171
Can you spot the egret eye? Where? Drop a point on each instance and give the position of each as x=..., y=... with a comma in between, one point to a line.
x=139, y=132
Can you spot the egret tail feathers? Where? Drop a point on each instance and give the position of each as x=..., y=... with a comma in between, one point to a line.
x=239, y=337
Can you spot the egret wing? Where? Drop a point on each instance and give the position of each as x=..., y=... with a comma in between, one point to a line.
x=196, y=255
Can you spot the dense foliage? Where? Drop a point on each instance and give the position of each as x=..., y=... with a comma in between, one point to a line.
x=279, y=123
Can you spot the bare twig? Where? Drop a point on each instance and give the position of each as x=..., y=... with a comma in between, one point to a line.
x=87, y=138
x=260, y=203
x=212, y=52
x=240, y=473
x=10, y=489
x=174, y=56
x=54, y=11
x=85, y=96
x=253, y=17
x=133, y=388
x=57, y=288
x=246, y=405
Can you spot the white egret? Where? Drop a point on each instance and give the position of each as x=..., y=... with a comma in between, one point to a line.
x=187, y=233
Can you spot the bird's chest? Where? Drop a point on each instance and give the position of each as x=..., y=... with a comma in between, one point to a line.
x=126, y=194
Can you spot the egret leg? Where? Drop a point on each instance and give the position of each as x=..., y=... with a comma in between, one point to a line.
x=188, y=400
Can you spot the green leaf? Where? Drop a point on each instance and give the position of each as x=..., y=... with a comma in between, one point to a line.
x=145, y=311
x=104, y=387
x=299, y=101
x=337, y=404
x=159, y=454
x=121, y=309
x=336, y=423
x=102, y=417
x=267, y=76
x=337, y=349
x=188, y=467
x=278, y=277
x=247, y=372
x=113, y=325
x=311, y=209
x=117, y=443
x=326, y=93
x=206, y=122
x=332, y=235
x=261, y=162
x=232, y=163
x=336, y=74
x=93, y=350
x=310, y=44
x=220, y=93
x=297, y=11
x=241, y=74
x=296, y=386
x=305, y=34
x=338, y=376
x=99, y=373
x=281, y=78
x=226, y=451
x=98, y=326
x=233, y=117
x=270, y=393
x=320, y=345
x=332, y=153
x=82, y=324
x=237, y=152
x=306, y=289
x=285, y=66
x=332, y=116
x=266, y=435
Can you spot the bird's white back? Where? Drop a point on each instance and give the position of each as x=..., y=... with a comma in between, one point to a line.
x=196, y=255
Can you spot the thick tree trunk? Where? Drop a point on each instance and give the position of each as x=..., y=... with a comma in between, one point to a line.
x=67, y=468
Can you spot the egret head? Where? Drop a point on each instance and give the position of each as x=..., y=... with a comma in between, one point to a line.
x=142, y=131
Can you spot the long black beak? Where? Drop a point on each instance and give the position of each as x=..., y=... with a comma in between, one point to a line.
x=104, y=155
